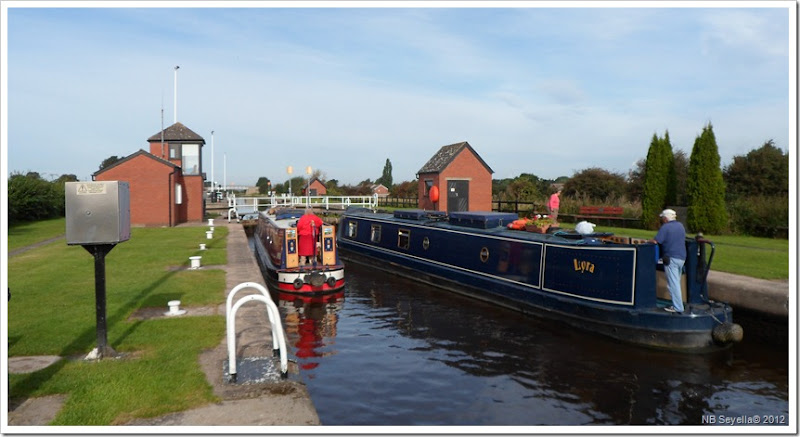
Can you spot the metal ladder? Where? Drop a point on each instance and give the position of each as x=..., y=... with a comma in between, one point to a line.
x=278, y=340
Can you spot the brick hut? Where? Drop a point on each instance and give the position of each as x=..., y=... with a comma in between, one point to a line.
x=166, y=184
x=461, y=176
x=316, y=188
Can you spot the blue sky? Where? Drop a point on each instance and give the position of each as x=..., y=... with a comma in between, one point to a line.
x=533, y=88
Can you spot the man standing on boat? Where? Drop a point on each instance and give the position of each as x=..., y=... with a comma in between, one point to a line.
x=308, y=229
x=672, y=238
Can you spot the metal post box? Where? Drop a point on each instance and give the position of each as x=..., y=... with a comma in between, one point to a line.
x=98, y=212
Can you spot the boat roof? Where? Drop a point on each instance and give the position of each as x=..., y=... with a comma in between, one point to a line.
x=284, y=217
x=484, y=222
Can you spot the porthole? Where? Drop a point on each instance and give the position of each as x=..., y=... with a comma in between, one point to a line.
x=426, y=243
x=484, y=254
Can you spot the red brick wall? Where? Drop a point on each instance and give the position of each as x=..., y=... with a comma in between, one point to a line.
x=151, y=189
x=193, y=200
x=424, y=200
x=319, y=186
x=192, y=207
x=381, y=191
x=465, y=166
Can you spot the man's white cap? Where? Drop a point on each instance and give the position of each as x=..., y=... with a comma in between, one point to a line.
x=669, y=213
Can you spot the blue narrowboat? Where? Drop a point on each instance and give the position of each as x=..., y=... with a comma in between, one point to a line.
x=276, y=249
x=599, y=282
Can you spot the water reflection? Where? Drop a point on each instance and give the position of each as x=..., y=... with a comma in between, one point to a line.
x=400, y=353
x=310, y=325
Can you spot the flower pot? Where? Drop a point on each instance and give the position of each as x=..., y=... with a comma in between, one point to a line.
x=538, y=229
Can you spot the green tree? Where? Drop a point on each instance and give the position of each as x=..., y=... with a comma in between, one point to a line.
x=705, y=186
x=264, y=185
x=681, y=166
x=669, y=158
x=595, y=184
x=763, y=171
x=659, y=175
x=386, y=176
x=406, y=189
x=635, y=181
x=332, y=186
x=526, y=187
x=108, y=162
x=523, y=189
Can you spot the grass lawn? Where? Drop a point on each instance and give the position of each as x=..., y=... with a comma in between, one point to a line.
x=764, y=258
x=27, y=233
x=52, y=313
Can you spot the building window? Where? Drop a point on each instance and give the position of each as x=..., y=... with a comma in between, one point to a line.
x=403, y=238
x=428, y=185
x=174, y=151
x=178, y=194
x=375, y=235
x=352, y=229
x=191, y=159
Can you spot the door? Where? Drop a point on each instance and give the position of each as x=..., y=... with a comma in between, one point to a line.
x=457, y=196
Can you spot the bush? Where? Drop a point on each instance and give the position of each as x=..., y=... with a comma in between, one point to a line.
x=760, y=216
x=32, y=198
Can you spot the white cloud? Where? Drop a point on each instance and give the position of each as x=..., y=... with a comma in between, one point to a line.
x=539, y=91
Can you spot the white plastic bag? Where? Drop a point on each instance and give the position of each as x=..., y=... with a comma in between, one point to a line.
x=585, y=228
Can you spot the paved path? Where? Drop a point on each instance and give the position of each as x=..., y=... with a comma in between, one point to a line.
x=34, y=246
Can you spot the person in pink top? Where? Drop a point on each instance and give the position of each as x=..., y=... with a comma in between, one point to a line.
x=553, y=204
x=308, y=231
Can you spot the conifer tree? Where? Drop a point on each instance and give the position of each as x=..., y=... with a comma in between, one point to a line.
x=386, y=176
x=656, y=176
x=671, y=195
x=705, y=187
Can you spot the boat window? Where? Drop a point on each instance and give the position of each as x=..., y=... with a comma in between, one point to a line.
x=375, y=235
x=352, y=228
x=426, y=243
x=484, y=254
x=403, y=237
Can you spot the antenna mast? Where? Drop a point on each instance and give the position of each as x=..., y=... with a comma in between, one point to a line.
x=175, y=110
x=162, y=125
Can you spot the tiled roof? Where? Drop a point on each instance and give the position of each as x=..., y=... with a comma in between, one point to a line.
x=446, y=155
x=177, y=132
x=134, y=155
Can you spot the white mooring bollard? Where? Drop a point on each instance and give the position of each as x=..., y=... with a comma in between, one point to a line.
x=202, y=246
x=211, y=229
x=209, y=234
x=211, y=222
x=174, y=308
x=195, y=260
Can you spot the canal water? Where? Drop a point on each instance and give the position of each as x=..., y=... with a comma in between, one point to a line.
x=389, y=351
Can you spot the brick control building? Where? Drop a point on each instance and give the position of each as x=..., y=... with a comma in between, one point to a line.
x=316, y=188
x=166, y=183
x=462, y=177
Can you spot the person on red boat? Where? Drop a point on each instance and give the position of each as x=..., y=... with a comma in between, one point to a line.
x=308, y=231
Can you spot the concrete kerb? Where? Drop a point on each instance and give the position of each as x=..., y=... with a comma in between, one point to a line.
x=759, y=295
